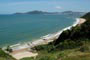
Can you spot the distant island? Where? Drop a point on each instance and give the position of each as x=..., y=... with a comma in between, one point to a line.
x=37, y=12
x=43, y=12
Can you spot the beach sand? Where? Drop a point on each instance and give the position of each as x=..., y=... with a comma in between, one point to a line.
x=22, y=54
x=81, y=21
x=22, y=51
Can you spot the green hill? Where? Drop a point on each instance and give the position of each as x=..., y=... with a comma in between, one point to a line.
x=77, y=32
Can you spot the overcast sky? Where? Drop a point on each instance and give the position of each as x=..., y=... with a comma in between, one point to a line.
x=12, y=6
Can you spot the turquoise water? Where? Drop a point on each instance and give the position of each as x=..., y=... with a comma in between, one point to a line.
x=23, y=28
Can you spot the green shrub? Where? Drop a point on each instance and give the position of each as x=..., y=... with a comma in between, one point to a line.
x=85, y=49
x=28, y=58
x=5, y=56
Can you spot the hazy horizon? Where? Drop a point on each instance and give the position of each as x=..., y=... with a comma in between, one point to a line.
x=13, y=6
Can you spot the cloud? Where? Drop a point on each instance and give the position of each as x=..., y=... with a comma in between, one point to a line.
x=58, y=7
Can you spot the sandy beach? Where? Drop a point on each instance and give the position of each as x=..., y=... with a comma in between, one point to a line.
x=81, y=21
x=23, y=53
x=23, y=50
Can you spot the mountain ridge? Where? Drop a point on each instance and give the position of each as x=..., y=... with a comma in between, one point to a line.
x=44, y=12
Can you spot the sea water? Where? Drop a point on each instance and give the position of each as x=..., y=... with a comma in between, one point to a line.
x=28, y=27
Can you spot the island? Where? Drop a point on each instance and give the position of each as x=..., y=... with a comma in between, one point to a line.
x=44, y=12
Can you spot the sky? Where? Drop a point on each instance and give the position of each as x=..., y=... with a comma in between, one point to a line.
x=13, y=6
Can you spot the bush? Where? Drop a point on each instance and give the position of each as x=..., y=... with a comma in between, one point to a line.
x=85, y=49
x=28, y=58
x=47, y=58
x=9, y=49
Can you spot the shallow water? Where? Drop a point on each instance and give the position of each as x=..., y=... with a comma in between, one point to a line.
x=23, y=28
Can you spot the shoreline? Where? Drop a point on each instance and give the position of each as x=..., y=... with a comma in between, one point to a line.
x=43, y=40
x=25, y=48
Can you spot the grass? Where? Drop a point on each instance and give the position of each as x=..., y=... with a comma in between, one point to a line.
x=28, y=58
x=75, y=55
x=70, y=54
x=66, y=54
x=85, y=57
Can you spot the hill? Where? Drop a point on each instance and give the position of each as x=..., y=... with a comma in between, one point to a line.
x=43, y=12
x=36, y=12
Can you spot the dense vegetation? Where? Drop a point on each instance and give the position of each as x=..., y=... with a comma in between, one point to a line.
x=5, y=56
x=77, y=33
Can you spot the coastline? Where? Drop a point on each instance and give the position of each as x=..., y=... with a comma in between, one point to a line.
x=44, y=40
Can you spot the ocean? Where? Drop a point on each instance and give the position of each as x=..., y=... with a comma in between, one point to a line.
x=29, y=27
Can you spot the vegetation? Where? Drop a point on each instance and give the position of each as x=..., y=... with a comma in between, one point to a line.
x=5, y=56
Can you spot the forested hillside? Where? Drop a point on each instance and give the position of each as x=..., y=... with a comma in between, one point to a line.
x=76, y=33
